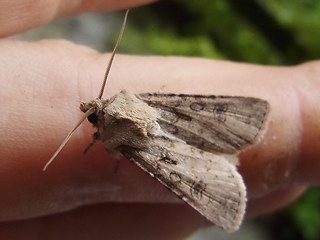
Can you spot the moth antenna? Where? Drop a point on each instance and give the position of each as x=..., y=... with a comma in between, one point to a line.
x=85, y=115
x=91, y=110
x=112, y=55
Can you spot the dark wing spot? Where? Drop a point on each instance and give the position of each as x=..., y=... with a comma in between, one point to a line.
x=197, y=106
x=168, y=160
x=220, y=108
x=197, y=189
x=183, y=116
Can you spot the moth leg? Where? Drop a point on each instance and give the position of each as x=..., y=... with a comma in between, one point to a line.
x=117, y=166
x=117, y=158
x=96, y=136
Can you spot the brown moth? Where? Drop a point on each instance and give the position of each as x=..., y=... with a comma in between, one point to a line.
x=187, y=142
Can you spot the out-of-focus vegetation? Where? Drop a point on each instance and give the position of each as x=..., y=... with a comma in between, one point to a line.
x=258, y=31
x=306, y=214
x=299, y=221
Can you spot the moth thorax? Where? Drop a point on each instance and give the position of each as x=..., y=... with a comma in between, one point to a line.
x=116, y=132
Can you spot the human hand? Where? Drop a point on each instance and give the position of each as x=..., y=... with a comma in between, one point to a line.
x=43, y=84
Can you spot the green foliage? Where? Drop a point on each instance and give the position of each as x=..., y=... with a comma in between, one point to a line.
x=221, y=29
x=153, y=42
x=237, y=38
x=302, y=18
x=306, y=214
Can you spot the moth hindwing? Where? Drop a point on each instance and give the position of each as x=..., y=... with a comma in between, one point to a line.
x=187, y=142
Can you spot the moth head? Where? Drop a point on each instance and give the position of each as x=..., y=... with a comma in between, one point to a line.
x=96, y=107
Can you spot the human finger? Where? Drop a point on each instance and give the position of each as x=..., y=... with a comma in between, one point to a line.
x=19, y=16
x=42, y=99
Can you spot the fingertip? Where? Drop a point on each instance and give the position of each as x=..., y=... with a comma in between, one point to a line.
x=274, y=200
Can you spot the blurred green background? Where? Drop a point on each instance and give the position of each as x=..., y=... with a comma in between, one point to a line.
x=270, y=32
x=267, y=32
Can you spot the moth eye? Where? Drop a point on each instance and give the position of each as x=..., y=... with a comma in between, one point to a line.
x=93, y=118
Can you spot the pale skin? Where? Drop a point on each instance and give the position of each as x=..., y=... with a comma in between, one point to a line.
x=42, y=84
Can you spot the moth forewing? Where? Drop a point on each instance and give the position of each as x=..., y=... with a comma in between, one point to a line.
x=213, y=123
x=208, y=182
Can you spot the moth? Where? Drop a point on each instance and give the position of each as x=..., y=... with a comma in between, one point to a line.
x=187, y=142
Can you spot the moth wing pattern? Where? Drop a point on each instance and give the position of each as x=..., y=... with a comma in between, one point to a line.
x=224, y=124
x=187, y=142
x=206, y=181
